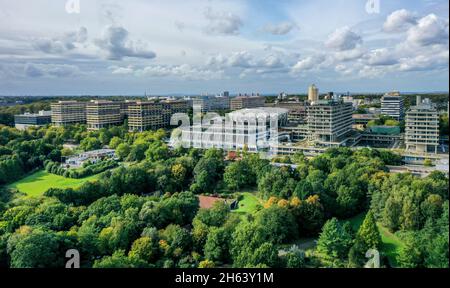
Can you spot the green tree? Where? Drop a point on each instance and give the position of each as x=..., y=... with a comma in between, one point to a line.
x=368, y=233
x=334, y=242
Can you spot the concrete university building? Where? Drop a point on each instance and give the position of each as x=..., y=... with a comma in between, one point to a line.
x=330, y=122
x=247, y=102
x=144, y=115
x=392, y=105
x=103, y=114
x=422, y=127
x=22, y=122
x=68, y=112
x=252, y=129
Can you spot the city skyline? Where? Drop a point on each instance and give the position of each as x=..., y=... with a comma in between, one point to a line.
x=211, y=46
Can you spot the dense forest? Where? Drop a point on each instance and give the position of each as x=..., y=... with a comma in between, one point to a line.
x=145, y=212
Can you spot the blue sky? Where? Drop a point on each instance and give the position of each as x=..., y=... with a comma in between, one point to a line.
x=208, y=46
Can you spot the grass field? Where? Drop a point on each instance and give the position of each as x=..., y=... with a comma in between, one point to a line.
x=36, y=184
x=248, y=204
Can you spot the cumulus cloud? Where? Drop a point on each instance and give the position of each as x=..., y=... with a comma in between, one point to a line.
x=279, y=29
x=428, y=31
x=50, y=70
x=343, y=39
x=115, y=41
x=62, y=44
x=222, y=23
x=399, y=21
x=381, y=57
x=308, y=63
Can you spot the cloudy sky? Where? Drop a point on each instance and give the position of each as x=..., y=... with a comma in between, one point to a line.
x=208, y=46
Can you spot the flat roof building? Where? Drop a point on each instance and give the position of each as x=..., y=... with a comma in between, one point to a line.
x=251, y=129
x=103, y=114
x=144, y=115
x=247, y=102
x=329, y=122
x=392, y=105
x=422, y=127
x=68, y=112
x=23, y=121
x=313, y=93
x=212, y=103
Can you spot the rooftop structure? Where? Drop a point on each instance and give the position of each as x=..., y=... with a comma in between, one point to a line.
x=93, y=156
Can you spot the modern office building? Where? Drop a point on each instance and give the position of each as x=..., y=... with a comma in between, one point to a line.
x=247, y=102
x=330, y=123
x=144, y=115
x=23, y=121
x=422, y=127
x=124, y=108
x=212, y=103
x=313, y=93
x=68, y=112
x=251, y=129
x=392, y=105
x=103, y=114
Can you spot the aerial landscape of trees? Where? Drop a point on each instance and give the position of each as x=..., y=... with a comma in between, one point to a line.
x=145, y=212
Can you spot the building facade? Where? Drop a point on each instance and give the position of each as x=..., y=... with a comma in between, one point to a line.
x=103, y=114
x=23, y=121
x=392, y=105
x=247, y=102
x=68, y=112
x=144, y=115
x=422, y=128
x=329, y=122
x=313, y=93
x=212, y=103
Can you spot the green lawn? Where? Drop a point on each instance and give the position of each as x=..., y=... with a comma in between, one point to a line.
x=248, y=204
x=36, y=184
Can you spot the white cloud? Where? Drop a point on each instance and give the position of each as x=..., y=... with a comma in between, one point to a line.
x=382, y=57
x=222, y=23
x=279, y=29
x=399, y=21
x=309, y=63
x=343, y=39
x=428, y=31
x=117, y=45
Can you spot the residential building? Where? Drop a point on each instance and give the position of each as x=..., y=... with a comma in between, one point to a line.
x=23, y=121
x=422, y=127
x=247, y=102
x=145, y=115
x=392, y=105
x=68, y=112
x=103, y=114
x=330, y=122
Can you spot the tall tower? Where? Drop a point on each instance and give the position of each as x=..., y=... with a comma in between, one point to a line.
x=313, y=93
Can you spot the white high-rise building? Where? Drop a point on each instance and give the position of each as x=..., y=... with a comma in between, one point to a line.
x=422, y=127
x=392, y=105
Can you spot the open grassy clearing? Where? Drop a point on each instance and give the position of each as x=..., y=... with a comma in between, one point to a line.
x=36, y=184
x=249, y=203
